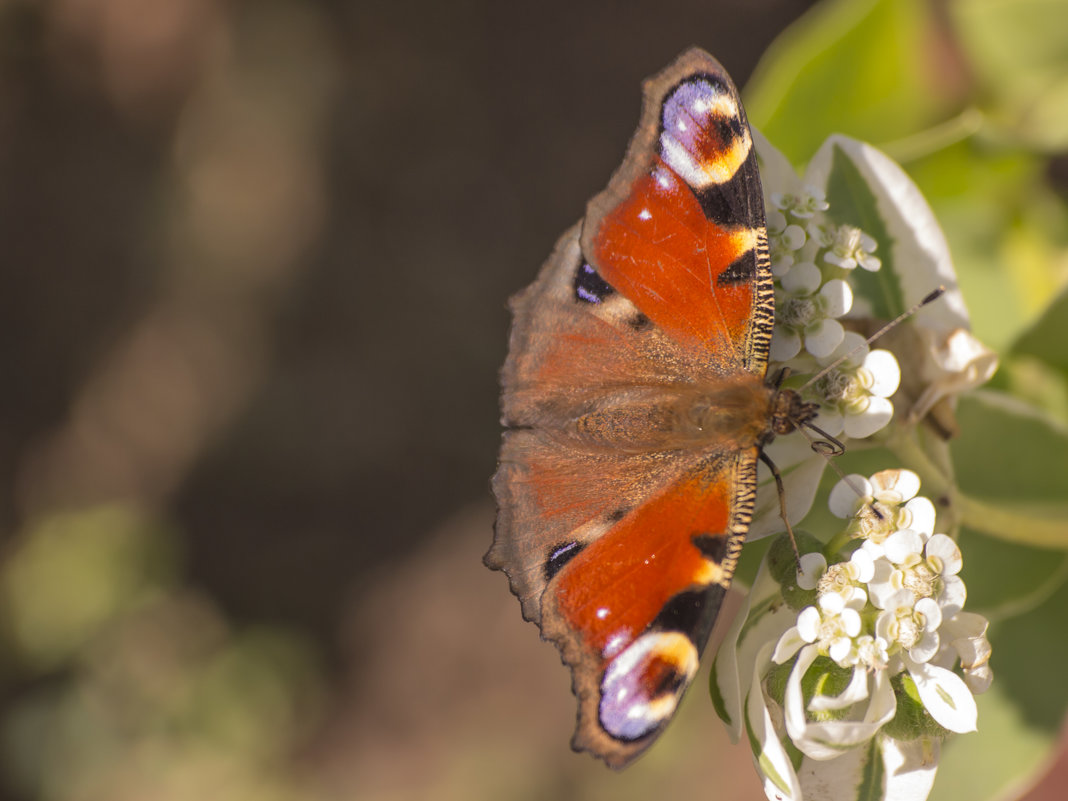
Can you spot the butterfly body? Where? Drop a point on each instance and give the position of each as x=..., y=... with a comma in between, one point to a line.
x=636, y=406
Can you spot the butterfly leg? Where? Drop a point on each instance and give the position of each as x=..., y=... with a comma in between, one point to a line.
x=782, y=503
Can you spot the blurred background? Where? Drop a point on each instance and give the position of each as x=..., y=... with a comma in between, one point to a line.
x=253, y=308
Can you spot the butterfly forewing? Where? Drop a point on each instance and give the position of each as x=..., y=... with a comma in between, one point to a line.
x=635, y=401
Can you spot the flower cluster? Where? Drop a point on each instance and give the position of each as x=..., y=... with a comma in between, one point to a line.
x=855, y=659
x=874, y=657
x=811, y=260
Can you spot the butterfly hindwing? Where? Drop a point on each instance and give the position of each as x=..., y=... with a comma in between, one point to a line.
x=635, y=404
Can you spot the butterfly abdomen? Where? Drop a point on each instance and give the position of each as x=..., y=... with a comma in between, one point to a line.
x=732, y=413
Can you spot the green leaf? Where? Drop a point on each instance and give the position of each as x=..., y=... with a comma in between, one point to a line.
x=848, y=66
x=871, y=786
x=1045, y=339
x=852, y=202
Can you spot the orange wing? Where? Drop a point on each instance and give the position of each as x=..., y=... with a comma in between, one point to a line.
x=680, y=229
x=635, y=402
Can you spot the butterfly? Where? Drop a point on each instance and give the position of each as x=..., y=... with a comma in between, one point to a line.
x=636, y=407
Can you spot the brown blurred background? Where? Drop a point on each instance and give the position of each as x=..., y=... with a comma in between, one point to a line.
x=257, y=259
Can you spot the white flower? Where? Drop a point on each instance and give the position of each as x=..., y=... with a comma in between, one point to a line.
x=854, y=396
x=849, y=248
x=910, y=625
x=784, y=240
x=924, y=565
x=831, y=626
x=811, y=570
x=881, y=505
x=871, y=652
x=802, y=205
x=805, y=312
x=845, y=579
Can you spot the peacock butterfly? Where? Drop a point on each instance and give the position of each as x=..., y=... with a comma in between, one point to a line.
x=637, y=406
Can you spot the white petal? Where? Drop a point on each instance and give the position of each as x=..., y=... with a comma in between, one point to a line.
x=885, y=595
x=885, y=370
x=895, y=486
x=850, y=621
x=770, y=758
x=831, y=604
x=785, y=344
x=808, y=624
x=909, y=768
x=876, y=416
x=789, y=644
x=974, y=651
x=921, y=515
x=812, y=567
x=845, y=262
x=931, y=611
x=823, y=780
x=979, y=680
x=829, y=739
x=793, y=237
x=856, y=598
x=854, y=693
x=852, y=345
x=839, y=650
x=848, y=494
x=793, y=699
x=781, y=264
x=863, y=565
x=775, y=221
x=901, y=599
x=966, y=624
x=902, y=544
x=947, y=553
x=837, y=297
x=926, y=648
x=824, y=337
x=945, y=696
x=736, y=658
x=803, y=279
x=878, y=553
x=953, y=595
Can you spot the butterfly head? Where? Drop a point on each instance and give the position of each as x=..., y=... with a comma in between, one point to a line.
x=789, y=413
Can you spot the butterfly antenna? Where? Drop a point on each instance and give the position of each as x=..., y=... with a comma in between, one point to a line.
x=828, y=446
x=930, y=298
